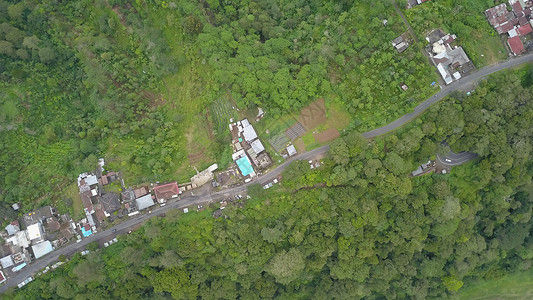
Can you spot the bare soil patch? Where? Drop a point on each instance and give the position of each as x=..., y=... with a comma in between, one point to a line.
x=326, y=135
x=313, y=115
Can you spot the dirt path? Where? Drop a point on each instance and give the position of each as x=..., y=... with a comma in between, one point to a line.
x=405, y=20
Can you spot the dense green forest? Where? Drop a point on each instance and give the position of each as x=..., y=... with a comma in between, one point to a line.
x=358, y=227
x=133, y=82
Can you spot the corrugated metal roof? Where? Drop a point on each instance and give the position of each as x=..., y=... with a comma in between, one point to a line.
x=257, y=146
x=144, y=202
x=42, y=249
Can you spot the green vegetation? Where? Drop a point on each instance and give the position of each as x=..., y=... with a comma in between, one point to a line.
x=133, y=81
x=515, y=286
x=467, y=20
x=357, y=227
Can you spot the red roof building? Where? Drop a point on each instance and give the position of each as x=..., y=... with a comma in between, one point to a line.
x=516, y=45
x=524, y=30
x=2, y=277
x=166, y=191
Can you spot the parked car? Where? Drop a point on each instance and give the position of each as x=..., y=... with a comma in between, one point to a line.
x=447, y=160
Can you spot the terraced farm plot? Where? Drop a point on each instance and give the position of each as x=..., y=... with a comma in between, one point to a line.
x=221, y=112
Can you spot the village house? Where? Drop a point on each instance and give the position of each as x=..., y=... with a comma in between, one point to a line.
x=401, y=43
x=144, y=202
x=451, y=61
x=166, y=192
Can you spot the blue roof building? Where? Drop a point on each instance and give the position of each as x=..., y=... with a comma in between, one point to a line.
x=245, y=166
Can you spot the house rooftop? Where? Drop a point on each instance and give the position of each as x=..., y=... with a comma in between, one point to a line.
x=524, y=30
x=86, y=200
x=38, y=215
x=128, y=195
x=249, y=133
x=145, y=202
x=257, y=146
x=140, y=192
x=42, y=249
x=6, y=262
x=110, y=202
x=34, y=231
x=13, y=228
x=291, y=150
x=516, y=45
x=245, y=166
x=166, y=191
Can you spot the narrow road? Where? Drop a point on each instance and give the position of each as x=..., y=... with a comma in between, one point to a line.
x=405, y=21
x=455, y=159
x=218, y=196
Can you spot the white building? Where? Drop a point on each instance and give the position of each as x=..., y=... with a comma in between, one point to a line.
x=35, y=232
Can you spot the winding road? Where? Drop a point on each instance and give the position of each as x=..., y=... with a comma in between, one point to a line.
x=455, y=159
x=218, y=196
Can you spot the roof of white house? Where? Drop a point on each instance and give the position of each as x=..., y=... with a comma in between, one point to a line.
x=257, y=146
x=249, y=133
x=144, y=202
x=6, y=262
x=12, y=229
x=34, y=231
x=42, y=249
x=291, y=150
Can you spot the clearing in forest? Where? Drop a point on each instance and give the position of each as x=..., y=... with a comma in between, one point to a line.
x=518, y=286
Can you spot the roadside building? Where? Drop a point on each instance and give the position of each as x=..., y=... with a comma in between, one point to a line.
x=2, y=277
x=291, y=150
x=245, y=166
x=515, y=44
x=42, y=249
x=204, y=177
x=166, y=192
x=144, y=202
x=6, y=262
x=110, y=203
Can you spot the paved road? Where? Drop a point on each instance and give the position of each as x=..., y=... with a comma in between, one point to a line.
x=195, y=200
x=455, y=159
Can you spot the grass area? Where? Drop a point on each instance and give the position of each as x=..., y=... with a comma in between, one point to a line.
x=337, y=115
x=516, y=286
x=71, y=192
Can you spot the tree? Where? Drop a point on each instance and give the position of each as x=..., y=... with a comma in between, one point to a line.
x=286, y=266
x=175, y=281
x=47, y=55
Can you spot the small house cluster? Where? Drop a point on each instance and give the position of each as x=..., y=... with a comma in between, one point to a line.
x=401, y=43
x=36, y=234
x=515, y=24
x=451, y=60
x=248, y=151
x=424, y=168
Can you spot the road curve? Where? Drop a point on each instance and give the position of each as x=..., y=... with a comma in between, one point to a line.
x=455, y=159
x=194, y=200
